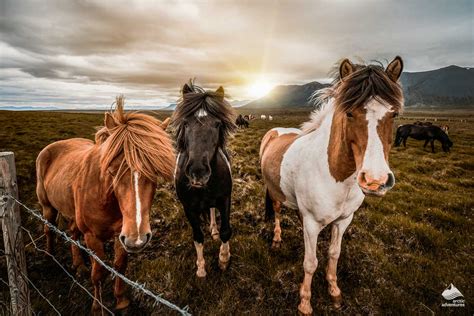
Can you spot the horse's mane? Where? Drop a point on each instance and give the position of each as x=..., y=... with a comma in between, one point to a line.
x=355, y=90
x=212, y=102
x=139, y=141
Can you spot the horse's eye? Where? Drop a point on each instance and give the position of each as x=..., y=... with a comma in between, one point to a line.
x=349, y=114
x=217, y=124
x=395, y=114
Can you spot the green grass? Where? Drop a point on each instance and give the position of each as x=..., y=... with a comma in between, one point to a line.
x=398, y=255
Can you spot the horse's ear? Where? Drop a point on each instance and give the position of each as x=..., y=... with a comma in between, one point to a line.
x=395, y=68
x=109, y=121
x=346, y=68
x=165, y=123
x=186, y=89
x=220, y=93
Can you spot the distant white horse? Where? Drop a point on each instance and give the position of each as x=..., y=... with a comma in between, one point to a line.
x=326, y=169
x=270, y=118
x=263, y=117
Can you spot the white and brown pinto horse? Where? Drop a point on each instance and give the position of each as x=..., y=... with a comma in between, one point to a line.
x=339, y=156
x=105, y=189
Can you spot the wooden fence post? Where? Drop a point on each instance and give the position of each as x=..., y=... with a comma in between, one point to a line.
x=12, y=237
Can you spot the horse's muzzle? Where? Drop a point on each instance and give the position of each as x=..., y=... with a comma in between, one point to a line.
x=375, y=187
x=134, y=245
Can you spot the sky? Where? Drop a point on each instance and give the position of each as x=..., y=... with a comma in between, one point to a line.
x=81, y=54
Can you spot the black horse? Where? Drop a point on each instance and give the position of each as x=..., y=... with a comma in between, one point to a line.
x=427, y=133
x=203, y=120
x=241, y=122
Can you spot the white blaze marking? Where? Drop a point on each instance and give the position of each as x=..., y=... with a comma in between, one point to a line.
x=138, y=204
x=201, y=113
x=374, y=159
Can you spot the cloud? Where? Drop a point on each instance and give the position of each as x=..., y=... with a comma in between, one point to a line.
x=149, y=49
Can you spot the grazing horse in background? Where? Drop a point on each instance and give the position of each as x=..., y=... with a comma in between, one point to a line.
x=445, y=128
x=270, y=118
x=420, y=123
x=241, y=122
x=249, y=117
x=427, y=133
x=339, y=156
x=203, y=120
x=263, y=117
x=105, y=189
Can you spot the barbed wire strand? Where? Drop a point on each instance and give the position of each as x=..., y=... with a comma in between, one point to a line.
x=65, y=270
x=133, y=284
x=24, y=277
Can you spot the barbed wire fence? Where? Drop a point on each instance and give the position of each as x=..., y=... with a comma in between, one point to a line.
x=6, y=198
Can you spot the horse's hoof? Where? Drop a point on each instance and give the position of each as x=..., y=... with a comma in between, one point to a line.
x=305, y=309
x=224, y=265
x=122, y=303
x=276, y=244
x=336, y=301
x=201, y=273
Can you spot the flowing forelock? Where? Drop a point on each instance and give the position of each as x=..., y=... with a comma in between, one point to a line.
x=140, y=142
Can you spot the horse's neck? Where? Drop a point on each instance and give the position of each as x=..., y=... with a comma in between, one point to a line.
x=91, y=170
x=328, y=144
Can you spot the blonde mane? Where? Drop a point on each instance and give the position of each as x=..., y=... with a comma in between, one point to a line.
x=139, y=141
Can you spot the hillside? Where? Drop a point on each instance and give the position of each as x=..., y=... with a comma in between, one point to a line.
x=447, y=87
x=287, y=96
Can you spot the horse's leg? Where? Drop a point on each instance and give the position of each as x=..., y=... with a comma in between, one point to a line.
x=311, y=230
x=338, y=229
x=277, y=231
x=120, y=264
x=405, y=141
x=198, y=237
x=432, y=146
x=213, y=226
x=97, y=274
x=50, y=213
x=78, y=264
x=225, y=233
x=426, y=143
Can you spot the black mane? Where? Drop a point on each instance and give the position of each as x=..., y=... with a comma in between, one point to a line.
x=211, y=102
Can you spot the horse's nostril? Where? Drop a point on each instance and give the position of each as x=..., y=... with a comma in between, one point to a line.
x=390, y=181
x=148, y=237
x=122, y=239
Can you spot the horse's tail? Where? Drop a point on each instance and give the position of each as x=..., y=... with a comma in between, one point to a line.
x=269, y=210
x=398, y=136
x=42, y=162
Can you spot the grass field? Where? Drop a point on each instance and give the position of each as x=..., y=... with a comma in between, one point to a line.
x=397, y=257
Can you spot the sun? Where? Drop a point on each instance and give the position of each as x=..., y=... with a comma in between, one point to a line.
x=259, y=89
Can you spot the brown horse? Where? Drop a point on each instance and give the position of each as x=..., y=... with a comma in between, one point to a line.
x=105, y=189
x=341, y=155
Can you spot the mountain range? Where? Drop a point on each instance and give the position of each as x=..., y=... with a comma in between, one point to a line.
x=447, y=87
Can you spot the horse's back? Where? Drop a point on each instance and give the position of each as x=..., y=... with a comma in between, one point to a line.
x=274, y=145
x=57, y=166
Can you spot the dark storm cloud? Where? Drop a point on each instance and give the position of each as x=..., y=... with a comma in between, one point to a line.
x=153, y=48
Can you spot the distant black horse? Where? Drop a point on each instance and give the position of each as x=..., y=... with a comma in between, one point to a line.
x=241, y=122
x=203, y=120
x=426, y=133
